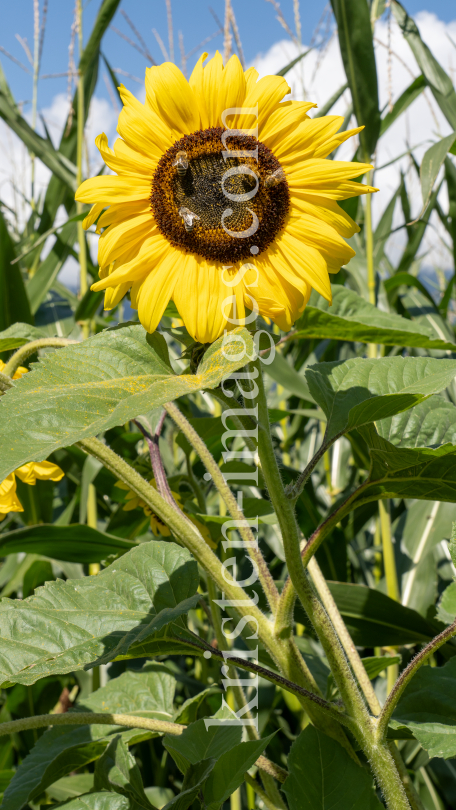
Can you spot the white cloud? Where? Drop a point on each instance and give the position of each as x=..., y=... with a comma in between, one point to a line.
x=319, y=76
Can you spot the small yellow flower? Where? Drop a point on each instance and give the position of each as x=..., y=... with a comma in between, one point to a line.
x=157, y=525
x=18, y=373
x=29, y=474
x=187, y=222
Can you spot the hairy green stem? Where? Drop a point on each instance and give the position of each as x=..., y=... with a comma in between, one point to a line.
x=30, y=348
x=261, y=793
x=76, y=718
x=241, y=524
x=183, y=529
x=284, y=654
x=407, y=675
x=378, y=753
x=344, y=636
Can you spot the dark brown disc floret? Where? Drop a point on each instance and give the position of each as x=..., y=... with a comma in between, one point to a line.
x=221, y=207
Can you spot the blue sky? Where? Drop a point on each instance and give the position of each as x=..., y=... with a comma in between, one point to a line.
x=256, y=19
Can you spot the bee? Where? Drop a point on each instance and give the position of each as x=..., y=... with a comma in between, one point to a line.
x=181, y=163
x=189, y=218
x=275, y=178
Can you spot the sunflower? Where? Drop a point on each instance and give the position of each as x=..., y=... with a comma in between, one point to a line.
x=29, y=474
x=223, y=199
x=158, y=526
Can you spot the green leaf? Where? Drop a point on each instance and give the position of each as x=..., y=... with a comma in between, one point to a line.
x=446, y=610
x=431, y=164
x=323, y=775
x=324, y=110
x=88, y=387
x=18, y=334
x=148, y=693
x=406, y=279
x=14, y=305
x=117, y=771
x=425, y=316
x=438, y=81
x=59, y=165
x=74, y=543
x=194, y=779
x=419, y=473
x=375, y=620
x=98, y=801
x=374, y=665
x=68, y=787
x=353, y=318
x=197, y=742
x=358, y=391
x=228, y=773
x=357, y=50
x=429, y=424
x=405, y=99
x=41, y=282
x=428, y=709
x=81, y=623
x=293, y=62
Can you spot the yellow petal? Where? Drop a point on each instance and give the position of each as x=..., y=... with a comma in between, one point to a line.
x=147, y=254
x=217, y=88
x=116, y=240
x=306, y=261
x=9, y=502
x=169, y=94
x=312, y=231
x=142, y=128
x=111, y=189
x=327, y=210
x=92, y=216
x=115, y=294
x=120, y=211
x=41, y=470
x=302, y=142
x=267, y=93
x=157, y=290
x=327, y=147
x=328, y=178
x=124, y=159
x=287, y=116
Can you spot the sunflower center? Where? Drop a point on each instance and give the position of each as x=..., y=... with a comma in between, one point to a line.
x=221, y=207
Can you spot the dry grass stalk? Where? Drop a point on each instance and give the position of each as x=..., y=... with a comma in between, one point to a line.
x=161, y=44
x=169, y=15
x=145, y=50
x=182, y=54
x=237, y=38
x=227, y=40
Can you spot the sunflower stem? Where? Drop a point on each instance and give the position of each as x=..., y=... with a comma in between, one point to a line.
x=240, y=522
x=21, y=354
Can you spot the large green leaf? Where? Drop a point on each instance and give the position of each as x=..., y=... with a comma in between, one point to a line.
x=438, y=81
x=74, y=543
x=198, y=743
x=18, y=334
x=429, y=424
x=428, y=709
x=14, y=305
x=322, y=774
x=352, y=318
x=79, y=623
x=86, y=388
x=359, y=391
x=357, y=49
x=422, y=473
x=148, y=693
x=117, y=771
x=375, y=620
